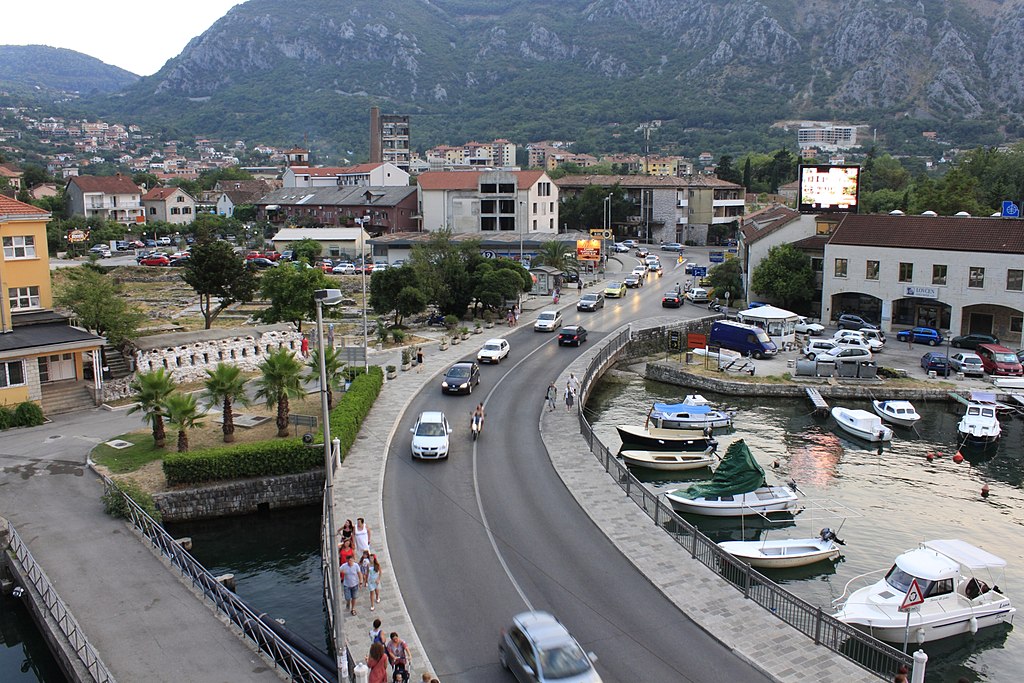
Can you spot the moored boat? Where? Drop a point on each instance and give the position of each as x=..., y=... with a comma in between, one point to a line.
x=669, y=460
x=785, y=553
x=900, y=413
x=654, y=439
x=979, y=425
x=688, y=416
x=862, y=424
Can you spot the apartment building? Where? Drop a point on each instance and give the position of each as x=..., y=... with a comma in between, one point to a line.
x=487, y=202
x=113, y=198
x=389, y=139
x=169, y=204
x=385, y=174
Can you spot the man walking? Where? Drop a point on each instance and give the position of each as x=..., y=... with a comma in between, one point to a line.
x=350, y=579
x=574, y=383
x=551, y=395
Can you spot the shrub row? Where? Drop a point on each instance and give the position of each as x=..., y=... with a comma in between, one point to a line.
x=26, y=414
x=114, y=503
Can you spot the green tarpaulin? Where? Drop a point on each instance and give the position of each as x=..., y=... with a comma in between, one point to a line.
x=738, y=473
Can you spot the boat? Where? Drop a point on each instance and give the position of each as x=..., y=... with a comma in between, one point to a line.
x=669, y=460
x=687, y=416
x=979, y=425
x=900, y=413
x=862, y=424
x=955, y=599
x=737, y=488
x=785, y=553
x=654, y=439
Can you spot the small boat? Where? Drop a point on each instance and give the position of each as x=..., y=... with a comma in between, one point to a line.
x=654, y=439
x=955, y=599
x=979, y=425
x=737, y=488
x=785, y=553
x=669, y=460
x=687, y=416
x=901, y=413
x=862, y=424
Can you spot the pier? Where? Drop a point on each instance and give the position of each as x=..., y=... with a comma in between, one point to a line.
x=819, y=403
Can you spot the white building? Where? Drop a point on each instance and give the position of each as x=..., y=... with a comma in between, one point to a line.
x=489, y=202
x=374, y=174
x=169, y=204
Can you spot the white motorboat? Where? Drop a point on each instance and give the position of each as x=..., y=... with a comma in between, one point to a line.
x=785, y=553
x=955, y=599
x=979, y=424
x=669, y=460
x=862, y=424
x=736, y=489
x=654, y=439
x=901, y=413
x=688, y=416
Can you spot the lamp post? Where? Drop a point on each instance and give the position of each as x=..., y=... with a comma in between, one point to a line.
x=362, y=255
x=522, y=226
x=330, y=297
x=607, y=219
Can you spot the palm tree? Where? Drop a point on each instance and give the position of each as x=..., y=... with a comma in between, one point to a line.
x=281, y=380
x=183, y=413
x=151, y=389
x=333, y=365
x=557, y=255
x=225, y=385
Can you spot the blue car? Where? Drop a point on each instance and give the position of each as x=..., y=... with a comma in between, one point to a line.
x=920, y=335
x=934, y=360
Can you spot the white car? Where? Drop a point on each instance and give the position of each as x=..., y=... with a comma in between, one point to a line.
x=805, y=326
x=547, y=321
x=630, y=244
x=640, y=272
x=857, y=338
x=619, y=248
x=846, y=353
x=697, y=295
x=967, y=363
x=101, y=250
x=493, y=351
x=430, y=435
x=817, y=347
x=344, y=268
x=163, y=241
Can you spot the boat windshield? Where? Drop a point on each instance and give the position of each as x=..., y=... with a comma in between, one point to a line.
x=900, y=580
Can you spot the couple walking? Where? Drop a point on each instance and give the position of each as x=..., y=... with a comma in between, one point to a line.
x=572, y=388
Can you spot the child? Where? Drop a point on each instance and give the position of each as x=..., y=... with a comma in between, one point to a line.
x=373, y=581
x=364, y=567
x=375, y=633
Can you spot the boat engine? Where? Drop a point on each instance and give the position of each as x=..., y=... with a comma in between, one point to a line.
x=828, y=535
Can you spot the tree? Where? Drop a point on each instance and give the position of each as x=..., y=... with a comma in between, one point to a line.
x=785, y=274
x=226, y=385
x=151, y=390
x=183, y=413
x=332, y=369
x=97, y=301
x=280, y=381
x=727, y=277
x=726, y=171
x=386, y=292
x=219, y=277
x=445, y=269
x=497, y=284
x=307, y=250
x=290, y=292
x=556, y=254
x=147, y=180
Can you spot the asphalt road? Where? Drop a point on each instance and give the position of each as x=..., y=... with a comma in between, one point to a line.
x=493, y=531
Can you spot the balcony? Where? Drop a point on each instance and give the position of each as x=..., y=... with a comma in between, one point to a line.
x=729, y=202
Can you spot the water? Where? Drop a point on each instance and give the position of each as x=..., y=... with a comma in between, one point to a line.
x=24, y=656
x=901, y=497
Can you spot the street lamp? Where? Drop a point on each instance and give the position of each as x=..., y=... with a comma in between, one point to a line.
x=362, y=256
x=607, y=205
x=330, y=297
x=522, y=225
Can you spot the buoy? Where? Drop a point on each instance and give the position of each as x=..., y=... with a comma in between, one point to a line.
x=984, y=491
x=958, y=458
x=974, y=625
x=930, y=456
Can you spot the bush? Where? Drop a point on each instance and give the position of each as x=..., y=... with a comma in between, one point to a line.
x=450, y=321
x=115, y=505
x=28, y=414
x=6, y=418
x=397, y=336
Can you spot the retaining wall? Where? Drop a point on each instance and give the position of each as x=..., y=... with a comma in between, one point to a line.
x=242, y=497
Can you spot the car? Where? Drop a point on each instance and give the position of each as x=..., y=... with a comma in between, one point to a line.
x=591, y=301
x=642, y=252
x=261, y=263
x=1020, y=355
x=971, y=341
x=688, y=268
x=999, y=360
x=816, y=347
x=920, y=335
x=101, y=250
x=536, y=648
x=849, y=321
x=180, y=254
x=857, y=338
x=803, y=325
x=968, y=363
x=846, y=353
x=757, y=304
x=378, y=267
x=287, y=255
x=672, y=246
x=620, y=248
x=493, y=351
x=632, y=281
x=164, y=241
x=547, y=321
x=937, y=361
x=630, y=244
x=697, y=295
x=640, y=272
x=344, y=268
x=572, y=335
x=615, y=290
x=189, y=239
x=122, y=245
x=430, y=436
x=326, y=265
x=178, y=262
x=569, y=276
x=150, y=243
x=461, y=378
x=654, y=267
x=671, y=299
x=155, y=260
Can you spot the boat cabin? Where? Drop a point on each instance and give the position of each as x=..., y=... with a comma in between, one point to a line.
x=936, y=574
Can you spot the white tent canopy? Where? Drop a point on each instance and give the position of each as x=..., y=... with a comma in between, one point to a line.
x=777, y=322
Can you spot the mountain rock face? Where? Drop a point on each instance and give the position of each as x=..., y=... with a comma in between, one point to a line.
x=579, y=68
x=51, y=68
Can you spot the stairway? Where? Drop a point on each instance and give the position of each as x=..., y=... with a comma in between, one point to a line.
x=66, y=397
x=115, y=362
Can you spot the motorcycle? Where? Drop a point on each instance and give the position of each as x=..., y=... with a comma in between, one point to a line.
x=476, y=426
x=435, y=319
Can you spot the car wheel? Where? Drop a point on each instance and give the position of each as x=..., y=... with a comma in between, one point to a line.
x=502, y=658
x=932, y=342
x=956, y=345
x=758, y=355
x=810, y=356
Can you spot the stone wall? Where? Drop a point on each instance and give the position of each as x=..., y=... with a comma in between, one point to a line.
x=242, y=497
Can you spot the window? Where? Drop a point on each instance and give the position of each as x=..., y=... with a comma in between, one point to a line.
x=817, y=265
x=938, y=275
x=180, y=198
x=12, y=374
x=544, y=189
x=976, y=277
x=1014, y=280
x=152, y=211
x=506, y=188
x=488, y=223
x=871, y=273
x=488, y=188
x=535, y=207
x=1016, y=324
x=906, y=272
x=840, y=267
x=488, y=206
x=175, y=211
x=186, y=209
x=24, y=298
x=20, y=246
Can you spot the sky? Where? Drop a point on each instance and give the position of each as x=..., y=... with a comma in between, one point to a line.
x=135, y=35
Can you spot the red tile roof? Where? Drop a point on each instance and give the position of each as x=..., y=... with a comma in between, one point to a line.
x=115, y=184
x=159, y=194
x=470, y=180
x=766, y=221
x=943, y=233
x=12, y=207
x=327, y=171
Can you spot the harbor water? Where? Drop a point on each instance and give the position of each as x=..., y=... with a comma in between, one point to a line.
x=896, y=498
x=24, y=656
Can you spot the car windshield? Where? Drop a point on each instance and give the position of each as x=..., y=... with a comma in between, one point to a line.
x=430, y=429
x=1005, y=357
x=762, y=336
x=563, y=662
x=589, y=297
x=547, y=316
x=458, y=373
x=492, y=347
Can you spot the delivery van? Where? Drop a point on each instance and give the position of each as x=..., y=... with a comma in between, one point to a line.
x=746, y=339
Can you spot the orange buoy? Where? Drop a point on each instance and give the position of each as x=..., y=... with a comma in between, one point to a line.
x=958, y=458
x=984, y=491
x=930, y=456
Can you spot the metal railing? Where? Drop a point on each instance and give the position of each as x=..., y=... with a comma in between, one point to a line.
x=329, y=546
x=225, y=601
x=877, y=657
x=53, y=603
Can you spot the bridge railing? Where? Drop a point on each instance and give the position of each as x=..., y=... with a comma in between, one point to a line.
x=877, y=657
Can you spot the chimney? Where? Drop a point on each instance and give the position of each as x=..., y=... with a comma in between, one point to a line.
x=376, y=155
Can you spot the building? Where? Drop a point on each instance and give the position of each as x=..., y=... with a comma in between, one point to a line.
x=372, y=174
x=828, y=138
x=497, y=154
x=170, y=205
x=112, y=198
x=389, y=139
x=12, y=174
x=345, y=243
x=42, y=357
x=774, y=226
x=234, y=193
x=380, y=209
x=488, y=202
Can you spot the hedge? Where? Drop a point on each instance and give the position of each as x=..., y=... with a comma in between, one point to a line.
x=278, y=456
x=25, y=414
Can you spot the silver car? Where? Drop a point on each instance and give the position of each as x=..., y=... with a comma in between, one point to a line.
x=547, y=321
x=968, y=363
x=536, y=648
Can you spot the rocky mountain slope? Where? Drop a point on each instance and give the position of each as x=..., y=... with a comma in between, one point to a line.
x=51, y=68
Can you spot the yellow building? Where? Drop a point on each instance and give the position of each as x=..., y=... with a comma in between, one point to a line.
x=42, y=357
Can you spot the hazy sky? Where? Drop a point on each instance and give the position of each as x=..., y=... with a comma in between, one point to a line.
x=135, y=35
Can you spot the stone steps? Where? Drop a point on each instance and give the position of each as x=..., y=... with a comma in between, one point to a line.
x=66, y=397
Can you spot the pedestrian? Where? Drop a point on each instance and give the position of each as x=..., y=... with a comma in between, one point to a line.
x=361, y=535
x=579, y=286
x=364, y=569
x=378, y=663
x=346, y=551
x=376, y=636
x=400, y=656
x=551, y=395
x=574, y=383
x=346, y=530
x=304, y=347
x=510, y=318
x=350, y=582
x=330, y=335
x=570, y=397
x=554, y=296
x=419, y=358
x=515, y=315
x=373, y=581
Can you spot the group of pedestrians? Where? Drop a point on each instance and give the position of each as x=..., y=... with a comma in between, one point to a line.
x=393, y=652
x=572, y=389
x=359, y=565
x=512, y=317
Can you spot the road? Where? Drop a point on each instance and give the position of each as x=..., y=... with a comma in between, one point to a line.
x=493, y=532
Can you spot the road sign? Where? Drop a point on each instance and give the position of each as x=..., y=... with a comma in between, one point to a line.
x=601, y=233
x=699, y=271
x=1010, y=210
x=674, y=340
x=914, y=597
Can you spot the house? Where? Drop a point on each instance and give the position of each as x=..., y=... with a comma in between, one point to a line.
x=487, y=202
x=778, y=225
x=43, y=358
x=234, y=193
x=379, y=209
x=170, y=205
x=383, y=174
x=113, y=198
x=12, y=174
x=345, y=243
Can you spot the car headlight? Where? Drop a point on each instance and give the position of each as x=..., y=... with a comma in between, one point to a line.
x=463, y=385
x=444, y=385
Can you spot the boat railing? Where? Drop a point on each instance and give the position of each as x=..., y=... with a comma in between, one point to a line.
x=849, y=583
x=859, y=647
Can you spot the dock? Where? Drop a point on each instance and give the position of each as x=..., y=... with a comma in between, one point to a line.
x=820, y=406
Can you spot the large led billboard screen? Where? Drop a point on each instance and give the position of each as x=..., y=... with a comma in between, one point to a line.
x=828, y=189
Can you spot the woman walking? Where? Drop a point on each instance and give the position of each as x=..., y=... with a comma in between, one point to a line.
x=378, y=663
x=570, y=398
x=373, y=581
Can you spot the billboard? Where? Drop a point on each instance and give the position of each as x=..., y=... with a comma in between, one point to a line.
x=828, y=189
x=588, y=250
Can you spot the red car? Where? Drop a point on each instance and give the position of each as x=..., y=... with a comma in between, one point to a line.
x=156, y=260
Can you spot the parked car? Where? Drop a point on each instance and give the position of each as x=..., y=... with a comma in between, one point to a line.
x=150, y=243
x=155, y=260
x=286, y=255
x=430, y=435
x=547, y=321
x=101, y=250
x=746, y=339
x=697, y=295
x=461, y=378
x=642, y=252
x=858, y=338
x=633, y=281
x=803, y=325
x=122, y=245
x=536, y=648
x=846, y=353
x=671, y=299
x=968, y=363
x=816, y=347
x=672, y=246
x=493, y=351
x=261, y=263
x=572, y=335
x=631, y=243
x=937, y=361
x=568, y=276
x=971, y=341
x=178, y=262
x=344, y=268
x=591, y=301
x=849, y=321
x=1020, y=355
x=615, y=290
x=920, y=335
x=620, y=248
x=164, y=241
x=377, y=267
x=999, y=360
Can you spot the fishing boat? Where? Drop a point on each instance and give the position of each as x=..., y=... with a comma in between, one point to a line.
x=944, y=576
x=669, y=460
x=862, y=424
x=737, y=488
x=654, y=439
x=785, y=553
x=688, y=416
x=900, y=413
x=979, y=425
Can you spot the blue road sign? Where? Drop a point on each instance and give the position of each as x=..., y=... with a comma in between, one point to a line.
x=1010, y=210
x=699, y=271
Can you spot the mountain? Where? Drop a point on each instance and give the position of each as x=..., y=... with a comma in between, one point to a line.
x=715, y=72
x=52, y=68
